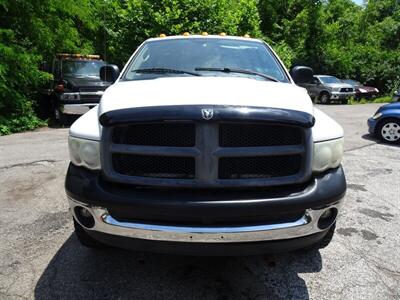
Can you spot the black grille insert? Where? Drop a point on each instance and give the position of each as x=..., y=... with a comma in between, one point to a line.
x=154, y=166
x=156, y=134
x=258, y=135
x=346, y=89
x=258, y=167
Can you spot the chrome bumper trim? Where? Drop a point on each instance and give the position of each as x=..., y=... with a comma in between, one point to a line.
x=77, y=109
x=341, y=95
x=105, y=223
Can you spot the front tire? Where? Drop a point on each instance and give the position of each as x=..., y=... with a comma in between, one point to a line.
x=62, y=119
x=389, y=131
x=85, y=239
x=324, y=98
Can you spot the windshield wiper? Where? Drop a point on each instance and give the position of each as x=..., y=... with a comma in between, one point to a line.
x=230, y=70
x=165, y=70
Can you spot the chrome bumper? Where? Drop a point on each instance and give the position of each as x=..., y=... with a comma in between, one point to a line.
x=306, y=225
x=77, y=109
x=342, y=95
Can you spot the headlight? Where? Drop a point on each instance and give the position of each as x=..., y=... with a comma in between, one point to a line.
x=376, y=90
x=327, y=155
x=70, y=96
x=84, y=153
x=377, y=116
x=363, y=91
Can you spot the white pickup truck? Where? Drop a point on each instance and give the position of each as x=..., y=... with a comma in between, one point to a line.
x=205, y=145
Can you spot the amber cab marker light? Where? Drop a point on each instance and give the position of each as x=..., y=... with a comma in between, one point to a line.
x=162, y=35
x=204, y=33
x=222, y=34
x=186, y=34
x=246, y=36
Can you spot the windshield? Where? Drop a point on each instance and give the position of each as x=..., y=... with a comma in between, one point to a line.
x=195, y=55
x=82, y=68
x=329, y=79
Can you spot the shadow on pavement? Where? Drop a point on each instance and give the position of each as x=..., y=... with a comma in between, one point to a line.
x=78, y=272
x=372, y=138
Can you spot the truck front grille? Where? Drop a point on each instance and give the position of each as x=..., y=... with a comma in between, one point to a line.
x=346, y=90
x=154, y=166
x=207, y=154
x=256, y=135
x=90, y=98
x=156, y=134
x=258, y=167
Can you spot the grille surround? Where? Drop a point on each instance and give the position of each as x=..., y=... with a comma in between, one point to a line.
x=207, y=153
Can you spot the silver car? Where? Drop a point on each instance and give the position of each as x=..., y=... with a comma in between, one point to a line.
x=327, y=88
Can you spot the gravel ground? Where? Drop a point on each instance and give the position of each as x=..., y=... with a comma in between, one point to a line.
x=41, y=258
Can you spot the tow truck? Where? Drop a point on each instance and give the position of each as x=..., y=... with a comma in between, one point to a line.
x=76, y=87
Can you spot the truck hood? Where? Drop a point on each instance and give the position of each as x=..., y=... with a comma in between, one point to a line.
x=233, y=91
x=339, y=85
x=77, y=83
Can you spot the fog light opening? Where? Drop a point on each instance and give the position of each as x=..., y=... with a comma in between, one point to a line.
x=327, y=218
x=84, y=216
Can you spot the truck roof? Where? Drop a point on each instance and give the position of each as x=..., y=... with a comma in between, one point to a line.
x=78, y=56
x=206, y=36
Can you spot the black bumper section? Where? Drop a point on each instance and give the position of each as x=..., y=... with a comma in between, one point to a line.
x=170, y=204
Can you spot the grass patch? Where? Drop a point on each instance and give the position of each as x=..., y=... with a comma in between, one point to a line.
x=15, y=124
x=383, y=99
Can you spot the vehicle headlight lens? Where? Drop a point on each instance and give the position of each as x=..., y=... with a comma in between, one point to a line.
x=376, y=90
x=363, y=91
x=377, y=116
x=327, y=155
x=70, y=96
x=85, y=153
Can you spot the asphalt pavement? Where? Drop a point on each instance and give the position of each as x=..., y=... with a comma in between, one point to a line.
x=41, y=258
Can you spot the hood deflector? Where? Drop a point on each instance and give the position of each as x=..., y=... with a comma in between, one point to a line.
x=195, y=113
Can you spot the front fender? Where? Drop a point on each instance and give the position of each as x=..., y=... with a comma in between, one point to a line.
x=87, y=126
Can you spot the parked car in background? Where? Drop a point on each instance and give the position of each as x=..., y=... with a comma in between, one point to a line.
x=385, y=123
x=396, y=96
x=327, y=88
x=77, y=86
x=362, y=91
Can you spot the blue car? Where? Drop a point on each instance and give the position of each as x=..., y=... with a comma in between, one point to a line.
x=385, y=124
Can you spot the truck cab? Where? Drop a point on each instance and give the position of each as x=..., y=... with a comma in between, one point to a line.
x=77, y=86
x=205, y=145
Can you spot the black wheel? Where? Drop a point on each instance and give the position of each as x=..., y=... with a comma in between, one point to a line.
x=388, y=130
x=324, y=98
x=62, y=119
x=85, y=239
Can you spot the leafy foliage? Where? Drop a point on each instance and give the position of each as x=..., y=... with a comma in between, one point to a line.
x=334, y=37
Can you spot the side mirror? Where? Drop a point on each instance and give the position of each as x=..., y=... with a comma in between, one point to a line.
x=109, y=73
x=302, y=74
